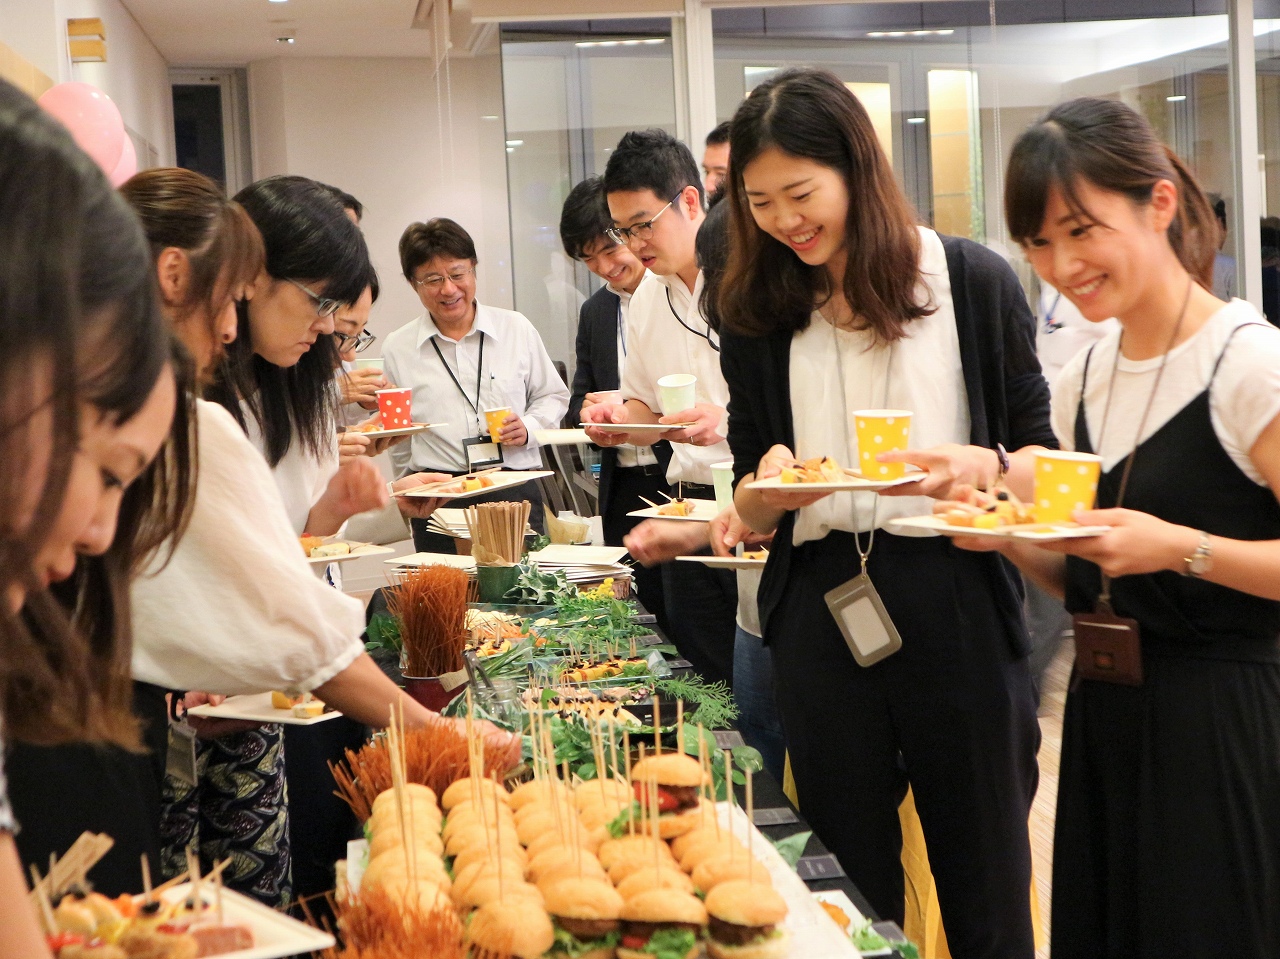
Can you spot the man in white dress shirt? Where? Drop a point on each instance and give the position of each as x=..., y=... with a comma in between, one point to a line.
x=655, y=200
x=462, y=358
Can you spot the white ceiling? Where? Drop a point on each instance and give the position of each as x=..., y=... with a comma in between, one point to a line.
x=210, y=33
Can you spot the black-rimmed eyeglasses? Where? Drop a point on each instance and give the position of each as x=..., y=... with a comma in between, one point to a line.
x=325, y=307
x=639, y=231
x=360, y=342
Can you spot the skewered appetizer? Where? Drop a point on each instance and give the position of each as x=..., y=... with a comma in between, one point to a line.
x=821, y=469
x=676, y=507
x=1005, y=510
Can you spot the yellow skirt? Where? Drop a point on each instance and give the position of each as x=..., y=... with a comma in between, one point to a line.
x=923, y=924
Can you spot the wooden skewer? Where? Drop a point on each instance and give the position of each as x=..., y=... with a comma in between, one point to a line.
x=42, y=900
x=146, y=879
x=626, y=756
x=751, y=808
x=680, y=725
x=657, y=725
x=649, y=502
x=728, y=791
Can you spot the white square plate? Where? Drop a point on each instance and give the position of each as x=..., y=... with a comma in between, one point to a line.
x=434, y=559
x=402, y=431
x=502, y=479
x=274, y=934
x=725, y=562
x=357, y=550
x=1033, y=532
x=704, y=511
x=257, y=708
x=854, y=481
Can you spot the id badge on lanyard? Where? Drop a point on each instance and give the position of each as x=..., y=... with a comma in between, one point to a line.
x=480, y=452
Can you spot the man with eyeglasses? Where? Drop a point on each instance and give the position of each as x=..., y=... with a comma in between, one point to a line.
x=462, y=358
x=655, y=199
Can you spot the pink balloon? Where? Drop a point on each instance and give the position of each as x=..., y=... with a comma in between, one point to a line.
x=94, y=121
x=128, y=164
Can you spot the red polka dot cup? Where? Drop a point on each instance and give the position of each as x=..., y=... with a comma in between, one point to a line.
x=396, y=407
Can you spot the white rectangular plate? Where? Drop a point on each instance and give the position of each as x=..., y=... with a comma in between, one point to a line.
x=402, y=431
x=1036, y=533
x=856, y=482
x=434, y=559
x=725, y=562
x=639, y=427
x=257, y=708
x=560, y=437
x=814, y=934
x=564, y=555
x=838, y=898
x=274, y=934
x=501, y=480
x=357, y=550
x=704, y=511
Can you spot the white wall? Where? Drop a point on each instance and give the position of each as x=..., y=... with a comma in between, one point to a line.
x=135, y=76
x=370, y=127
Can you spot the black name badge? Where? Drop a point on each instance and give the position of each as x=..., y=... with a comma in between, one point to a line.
x=481, y=452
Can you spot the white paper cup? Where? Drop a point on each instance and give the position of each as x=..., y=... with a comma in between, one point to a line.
x=609, y=397
x=370, y=363
x=722, y=477
x=677, y=393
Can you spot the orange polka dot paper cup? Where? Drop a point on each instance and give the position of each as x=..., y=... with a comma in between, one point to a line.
x=396, y=407
x=1065, y=483
x=881, y=431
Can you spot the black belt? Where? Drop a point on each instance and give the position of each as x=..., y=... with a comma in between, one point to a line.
x=648, y=469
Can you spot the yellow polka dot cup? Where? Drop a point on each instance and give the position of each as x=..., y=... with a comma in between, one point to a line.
x=881, y=431
x=493, y=420
x=1065, y=483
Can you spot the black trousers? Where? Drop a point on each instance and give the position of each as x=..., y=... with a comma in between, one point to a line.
x=627, y=486
x=425, y=541
x=702, y=609
x=952, y=714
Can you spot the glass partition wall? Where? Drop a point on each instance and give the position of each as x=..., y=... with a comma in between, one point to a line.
x=948, y=95
x=571, y=91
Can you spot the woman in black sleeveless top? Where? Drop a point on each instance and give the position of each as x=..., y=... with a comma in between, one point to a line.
x=1168, y=825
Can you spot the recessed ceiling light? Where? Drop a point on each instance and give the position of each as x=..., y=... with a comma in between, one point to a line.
x=511, y=149
x=915, y=119
x=644, y=41
x=489, y=116
x=1177, y=98
x=289, y=40
x=277, y=1
x=515, y=143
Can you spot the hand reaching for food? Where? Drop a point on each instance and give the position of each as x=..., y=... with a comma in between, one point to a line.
x=418, y=507
x=728, y=530
x=357, y=487
x=774, y=463
x=948, y=467
x=658, y=541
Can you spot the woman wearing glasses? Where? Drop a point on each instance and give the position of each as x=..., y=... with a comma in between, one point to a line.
x=462, y=358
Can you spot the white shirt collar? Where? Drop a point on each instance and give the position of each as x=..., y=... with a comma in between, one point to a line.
x=483, y=323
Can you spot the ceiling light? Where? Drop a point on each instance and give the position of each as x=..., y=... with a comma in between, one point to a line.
x=488, y=116
x=276, y=1
x=943, y=33
x=288, y=40
x=515, y=143
x=511, y=149
x=910, y=33
x=633, y=42
x=896, y=33
x=1177, y=98
x=915, y=119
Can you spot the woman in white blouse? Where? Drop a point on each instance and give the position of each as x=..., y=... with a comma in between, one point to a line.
x=835, y=300
x=87, y=399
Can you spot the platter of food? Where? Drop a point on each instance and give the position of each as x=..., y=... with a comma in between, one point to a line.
x=695, y=510
x=323, y=550
x=638, y=427
x=273, y=707
x=851, y=920
x=824, y=475
x=1030, y=531
x=474, y=484
x=752, y=559
x=271, y=934
x=377, y=432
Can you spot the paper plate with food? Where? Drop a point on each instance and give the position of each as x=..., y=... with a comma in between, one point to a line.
x=1004, y=517
x=474, y=484
x=822, y=474
x=323, y=550
x=695, y=510
x=374, y=430
x=638, y=427
x=290, y=709
x=750, y=559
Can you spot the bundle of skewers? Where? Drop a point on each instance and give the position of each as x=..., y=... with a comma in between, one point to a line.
x=430, y=606
x=497, y=532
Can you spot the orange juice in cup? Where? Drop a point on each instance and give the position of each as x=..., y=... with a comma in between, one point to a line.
x=494, y=418
x=881, y=431
x=1065, y=482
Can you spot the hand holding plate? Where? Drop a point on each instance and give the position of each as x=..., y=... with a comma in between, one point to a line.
x=706, y=418
x=1137, y=543
x=606, y=413
x=949, y=467
x=796, y=497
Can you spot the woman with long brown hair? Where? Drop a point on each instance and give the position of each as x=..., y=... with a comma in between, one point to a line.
x=1167, y=839
x=835, y=300
x=88, y=395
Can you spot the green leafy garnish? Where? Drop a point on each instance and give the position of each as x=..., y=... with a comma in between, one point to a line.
x=619, y=824
x=534, y=587
x=670, y=943
x=570, y=946
x=383, y=632
x=792, y=847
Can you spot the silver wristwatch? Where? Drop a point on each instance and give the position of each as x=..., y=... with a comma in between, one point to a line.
x=1201, y=561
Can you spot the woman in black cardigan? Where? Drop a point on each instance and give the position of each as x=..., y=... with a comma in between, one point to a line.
x=834, y=301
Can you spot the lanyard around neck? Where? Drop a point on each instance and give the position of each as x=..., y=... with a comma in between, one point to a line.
x=475, y=407
x=706, y=336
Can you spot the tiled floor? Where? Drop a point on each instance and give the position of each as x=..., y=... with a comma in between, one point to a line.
x=1052, y=700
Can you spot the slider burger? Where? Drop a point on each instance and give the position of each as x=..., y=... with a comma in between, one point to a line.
x=744, y=921
x=474, y=854
x=661, y=922
x=586, y=913
x=711, y=873
x=660, y=877
x=510, y=928
x=463, y=789
x=537, y=790
x=679, y=778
